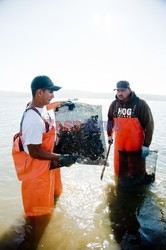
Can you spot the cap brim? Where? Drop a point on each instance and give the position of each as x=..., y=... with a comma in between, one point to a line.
x=119, y=88
x=55, y=88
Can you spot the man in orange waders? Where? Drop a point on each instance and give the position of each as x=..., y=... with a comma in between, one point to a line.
x=131, y=121
x=40, y=182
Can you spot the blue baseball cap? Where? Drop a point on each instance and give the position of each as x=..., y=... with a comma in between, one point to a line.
x=43, y=82
x=122, y=85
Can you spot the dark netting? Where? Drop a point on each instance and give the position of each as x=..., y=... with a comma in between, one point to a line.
x=80, y=132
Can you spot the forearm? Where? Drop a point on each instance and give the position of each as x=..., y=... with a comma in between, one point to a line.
x=53, y=105
x=110, y=121
x=38, y=153
x=147, y=122
x=148, y=134
x=109, y=127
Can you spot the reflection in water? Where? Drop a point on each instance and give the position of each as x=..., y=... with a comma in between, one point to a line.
x=136, y=219
x=25, y=235
x=124, y=207
x=34, y=229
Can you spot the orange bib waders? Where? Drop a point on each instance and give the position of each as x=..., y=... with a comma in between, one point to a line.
x=127, y=149
x=39, y=184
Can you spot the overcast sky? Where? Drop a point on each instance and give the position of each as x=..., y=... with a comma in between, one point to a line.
x=84, y=44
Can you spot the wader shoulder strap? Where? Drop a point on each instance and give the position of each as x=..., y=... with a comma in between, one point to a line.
x=37, y=111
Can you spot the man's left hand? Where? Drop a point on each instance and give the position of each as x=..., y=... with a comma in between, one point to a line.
x=68, y=104
x=145, y=151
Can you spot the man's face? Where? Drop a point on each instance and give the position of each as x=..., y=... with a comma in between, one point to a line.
x=47, y=96
x=123, y=94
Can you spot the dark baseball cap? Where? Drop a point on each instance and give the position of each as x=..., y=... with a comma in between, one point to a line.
x=122, y=85
x=43, y=82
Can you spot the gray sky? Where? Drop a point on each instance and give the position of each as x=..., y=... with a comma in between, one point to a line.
x=84, y=44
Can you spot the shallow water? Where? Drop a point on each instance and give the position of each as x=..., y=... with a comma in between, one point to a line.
x=90, y=214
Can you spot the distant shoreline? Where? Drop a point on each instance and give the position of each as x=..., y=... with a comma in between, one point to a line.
x=66, y=93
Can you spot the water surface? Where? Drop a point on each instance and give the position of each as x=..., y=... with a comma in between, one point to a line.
x=90, y=214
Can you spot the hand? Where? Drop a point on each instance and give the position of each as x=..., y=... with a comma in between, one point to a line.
x=145, y=151
x=68, y=104
x=110, y=139
x=66, y=160
x=104, y=163
x=53, y=164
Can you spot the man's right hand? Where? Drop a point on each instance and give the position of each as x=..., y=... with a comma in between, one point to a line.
x=110, y=139
x=63, y=161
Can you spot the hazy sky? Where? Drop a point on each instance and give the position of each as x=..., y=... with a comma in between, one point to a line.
x=84, y=44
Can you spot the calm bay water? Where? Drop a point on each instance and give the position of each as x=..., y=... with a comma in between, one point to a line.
x=90, y=214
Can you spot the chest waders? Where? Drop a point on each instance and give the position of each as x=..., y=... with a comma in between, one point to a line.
x=129, y=137
x=39, y=184
x=127, y=147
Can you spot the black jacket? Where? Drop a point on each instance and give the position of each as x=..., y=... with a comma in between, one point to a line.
x=135, y=107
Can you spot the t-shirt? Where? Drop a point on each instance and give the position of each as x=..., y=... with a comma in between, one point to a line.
x=33, y=126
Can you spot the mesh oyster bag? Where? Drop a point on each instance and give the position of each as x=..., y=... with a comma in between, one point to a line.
x=151, y=162
x=80, y=132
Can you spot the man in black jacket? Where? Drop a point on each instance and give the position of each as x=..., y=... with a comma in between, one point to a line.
x=131, y=120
